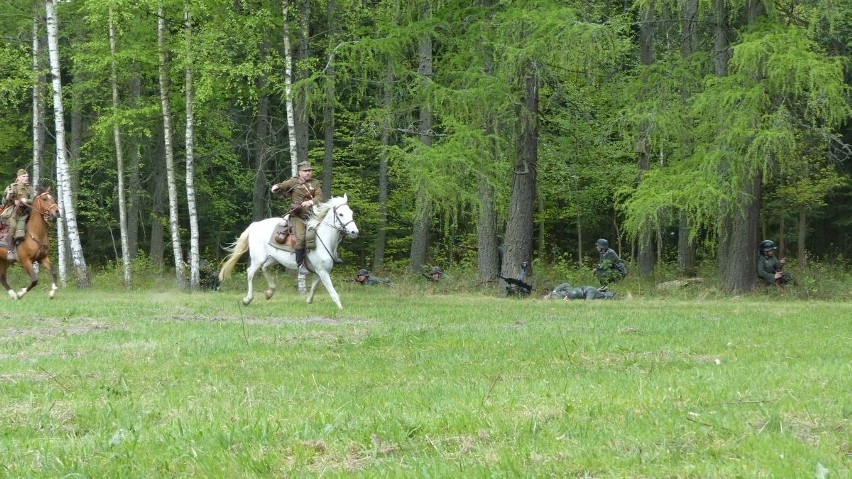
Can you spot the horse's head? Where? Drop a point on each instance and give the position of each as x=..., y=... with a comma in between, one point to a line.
x=45, y=204
x=343, y=219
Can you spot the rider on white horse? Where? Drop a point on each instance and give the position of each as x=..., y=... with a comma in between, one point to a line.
x=304, y=192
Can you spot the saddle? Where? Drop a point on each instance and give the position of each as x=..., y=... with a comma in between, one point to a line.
x=5, y=234
x=284, y=237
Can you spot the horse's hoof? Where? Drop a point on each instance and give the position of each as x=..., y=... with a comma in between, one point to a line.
x=13, y=294
x=246, y=301
x=269, y=293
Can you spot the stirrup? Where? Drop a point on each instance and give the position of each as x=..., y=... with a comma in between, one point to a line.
x=11, y=255
x=336, y=260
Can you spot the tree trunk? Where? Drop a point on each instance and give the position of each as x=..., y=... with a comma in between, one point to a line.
x=158, y=217
x=302, y=52
x=328, y=107
x=171, y=180
x=739, y=271
x=423, y=212
x=519, y=228
x=288, y=91
x=646, y=40
x=259, y=192
x=689, y=42
x=192, y=209
x=134, y=178
x=69, y=213
x=38, y=105
x=381, y=227
x=119, y=155
x=685, y=250
x=801, y=251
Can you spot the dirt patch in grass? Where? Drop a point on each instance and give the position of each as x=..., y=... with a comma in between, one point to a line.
x=52, y=328
x=323, y=320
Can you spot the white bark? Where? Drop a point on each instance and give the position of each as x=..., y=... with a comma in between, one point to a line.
x=119, y=157
x=288, y=90
x=38, y=106
x=194, y=275
x=170, y=157
x=63, y=179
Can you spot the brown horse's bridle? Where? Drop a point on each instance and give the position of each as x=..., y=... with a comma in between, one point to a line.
x=45, y=214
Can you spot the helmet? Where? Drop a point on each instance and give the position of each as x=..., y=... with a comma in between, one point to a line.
x=435, y=270
x=602, y=243
x=767, y=245
x=363, y=272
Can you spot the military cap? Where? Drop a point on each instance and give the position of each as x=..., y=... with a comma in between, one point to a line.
x=22, y=172
x=305, y=166
x=363, y=272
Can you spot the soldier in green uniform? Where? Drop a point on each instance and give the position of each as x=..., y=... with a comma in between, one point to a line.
x=610, y=268
x=304, y=192
x=435, y=275
x=769, y=267
x=16, y=200
x=365, y=278
x=566, y=292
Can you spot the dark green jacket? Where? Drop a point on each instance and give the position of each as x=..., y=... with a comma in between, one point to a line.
x=565, y=290
x=766, y=268
x=372, y=280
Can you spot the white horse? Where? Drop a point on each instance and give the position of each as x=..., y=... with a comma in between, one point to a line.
x=331, y=219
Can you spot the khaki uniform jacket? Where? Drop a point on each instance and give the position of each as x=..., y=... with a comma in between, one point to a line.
x=299, y=192
x=16, y=191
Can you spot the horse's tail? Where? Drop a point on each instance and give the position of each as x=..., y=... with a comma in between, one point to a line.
x=237, y=249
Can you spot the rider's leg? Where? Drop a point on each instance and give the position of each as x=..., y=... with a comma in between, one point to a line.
x=12, y=255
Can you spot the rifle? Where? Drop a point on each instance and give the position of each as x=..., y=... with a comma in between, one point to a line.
x=522, y=287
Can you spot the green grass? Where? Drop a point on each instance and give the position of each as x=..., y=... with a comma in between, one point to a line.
x=419, y=381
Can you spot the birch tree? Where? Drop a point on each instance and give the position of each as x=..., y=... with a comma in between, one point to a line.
x=119, y=155
x=169, y=151
x=69, y=213
x=194, y=275
x=288, y=90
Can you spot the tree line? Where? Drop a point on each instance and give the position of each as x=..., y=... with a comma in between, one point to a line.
x=485, y=133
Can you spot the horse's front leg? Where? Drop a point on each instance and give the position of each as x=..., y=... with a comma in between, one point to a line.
x=326, y=281
x=45, y=263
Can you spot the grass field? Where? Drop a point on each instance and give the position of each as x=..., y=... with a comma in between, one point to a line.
x=422, y=382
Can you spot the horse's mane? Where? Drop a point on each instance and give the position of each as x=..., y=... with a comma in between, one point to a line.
x=321, y=209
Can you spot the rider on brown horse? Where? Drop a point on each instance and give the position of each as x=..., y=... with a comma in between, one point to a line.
x=16, y=200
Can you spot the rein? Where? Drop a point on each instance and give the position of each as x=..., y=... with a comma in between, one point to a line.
x=334, y=221
x=46, y=213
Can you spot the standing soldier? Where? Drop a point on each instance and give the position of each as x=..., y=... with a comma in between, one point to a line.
x=16, y=200
x=304, y=193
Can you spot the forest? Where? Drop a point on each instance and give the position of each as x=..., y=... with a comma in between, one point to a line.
x=480, y=134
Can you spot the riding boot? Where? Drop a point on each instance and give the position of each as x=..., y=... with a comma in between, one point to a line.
x=12, y=253
x=300, y=262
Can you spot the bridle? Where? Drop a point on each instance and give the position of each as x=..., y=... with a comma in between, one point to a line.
x=334, y=222
x=46, y=213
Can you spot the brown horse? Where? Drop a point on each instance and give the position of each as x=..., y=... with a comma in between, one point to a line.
x=35, y=245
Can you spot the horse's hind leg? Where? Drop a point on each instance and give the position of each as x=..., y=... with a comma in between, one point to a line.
x=252, y=269
x=270, y=281
x=5, y=282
